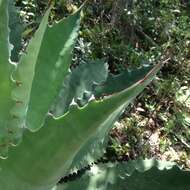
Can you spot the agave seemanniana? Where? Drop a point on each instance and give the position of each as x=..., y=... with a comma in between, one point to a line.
x=48, y=146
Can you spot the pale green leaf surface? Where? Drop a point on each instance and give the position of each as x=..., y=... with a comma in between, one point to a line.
x=92, y=79
x=132, y=175
x=79, y=85
x=52, y=66
x=43, y=157
x=24, y=75
x=42, y=69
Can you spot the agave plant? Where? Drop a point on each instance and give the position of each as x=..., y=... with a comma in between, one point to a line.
x=54, y=121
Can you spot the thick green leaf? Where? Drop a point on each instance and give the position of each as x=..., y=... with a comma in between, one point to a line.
x=79, y=85
x=24, y=76
x=52, y=66
x=5, y=77
x=43, y=157
x=42, y=69
x=134, y=175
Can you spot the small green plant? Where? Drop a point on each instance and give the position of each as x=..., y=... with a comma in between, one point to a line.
x=47, y=112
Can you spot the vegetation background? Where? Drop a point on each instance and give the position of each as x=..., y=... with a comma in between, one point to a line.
x=129, y=33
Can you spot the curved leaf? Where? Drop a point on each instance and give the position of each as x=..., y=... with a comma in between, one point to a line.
x=51, y=70
x=93, y=79
x=116, y=83
x=133, y=175
x=24, y=75
x=79, y=84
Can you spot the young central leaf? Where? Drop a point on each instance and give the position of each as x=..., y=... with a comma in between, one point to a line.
x=52, y=66
x=42, y=69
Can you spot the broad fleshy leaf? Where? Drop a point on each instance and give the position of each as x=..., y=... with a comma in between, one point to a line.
x=43, y=157
x=133, y=175
x=51, y=70
x=24, y=75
